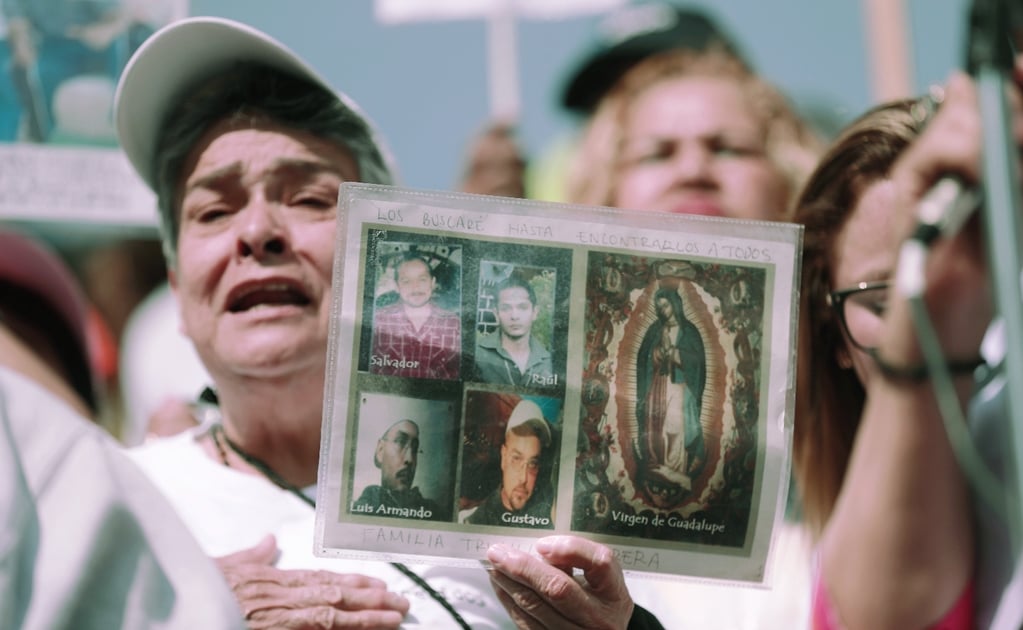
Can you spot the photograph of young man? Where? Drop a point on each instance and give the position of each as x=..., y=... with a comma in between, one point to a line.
x=513, y=355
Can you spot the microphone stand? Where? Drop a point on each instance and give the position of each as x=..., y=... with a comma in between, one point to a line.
x=990, y=60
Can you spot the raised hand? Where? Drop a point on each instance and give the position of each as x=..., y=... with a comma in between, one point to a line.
x=543, y=592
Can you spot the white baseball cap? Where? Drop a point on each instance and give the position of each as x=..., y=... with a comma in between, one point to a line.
x=528, y=413
x=180, y=56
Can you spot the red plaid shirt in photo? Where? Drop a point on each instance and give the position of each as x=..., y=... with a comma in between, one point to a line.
x=433, y=351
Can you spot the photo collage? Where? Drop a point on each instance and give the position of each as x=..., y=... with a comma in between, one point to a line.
x=502, y=376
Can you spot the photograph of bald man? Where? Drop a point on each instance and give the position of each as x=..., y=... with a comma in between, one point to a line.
x=397, y=457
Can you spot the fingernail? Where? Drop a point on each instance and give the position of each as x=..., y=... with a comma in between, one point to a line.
x=543, y=546
x=497, y=554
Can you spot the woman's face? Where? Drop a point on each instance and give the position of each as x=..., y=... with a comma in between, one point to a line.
x=256, y=248
x=863, y=254
x=694, y=145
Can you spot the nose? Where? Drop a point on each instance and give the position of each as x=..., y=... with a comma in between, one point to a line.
x=693, y=164
x=261, y=233
x=518, y=474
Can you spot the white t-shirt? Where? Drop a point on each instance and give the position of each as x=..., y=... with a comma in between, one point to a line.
x=228, y=511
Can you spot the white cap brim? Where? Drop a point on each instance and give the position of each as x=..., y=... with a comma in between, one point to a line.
x=527, y=412
x=180, y=56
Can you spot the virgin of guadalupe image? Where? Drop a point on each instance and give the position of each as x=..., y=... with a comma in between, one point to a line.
x=671, y=373
x=670, y=399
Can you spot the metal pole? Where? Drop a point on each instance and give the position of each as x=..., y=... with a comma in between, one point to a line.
x=991, y=61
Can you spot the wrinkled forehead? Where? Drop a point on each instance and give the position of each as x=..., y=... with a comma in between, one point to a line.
x=697, y=104
x=260, y=143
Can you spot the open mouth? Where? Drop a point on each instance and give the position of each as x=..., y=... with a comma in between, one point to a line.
x=267, y=294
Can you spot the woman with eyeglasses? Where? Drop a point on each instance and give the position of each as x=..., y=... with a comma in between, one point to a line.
x=881, y=488
x=846, y=270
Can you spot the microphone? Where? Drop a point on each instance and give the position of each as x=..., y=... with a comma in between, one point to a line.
x=941, y=212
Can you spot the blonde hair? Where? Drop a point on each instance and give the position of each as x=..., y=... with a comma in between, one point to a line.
x=791, y=145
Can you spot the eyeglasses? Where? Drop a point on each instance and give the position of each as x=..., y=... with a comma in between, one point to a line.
x=405, y=442
x=860, y=309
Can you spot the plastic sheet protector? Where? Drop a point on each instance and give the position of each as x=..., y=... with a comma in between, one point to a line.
x=501, y=370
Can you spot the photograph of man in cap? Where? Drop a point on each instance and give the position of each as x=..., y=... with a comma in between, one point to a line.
x=397, y=457
x=521, y=500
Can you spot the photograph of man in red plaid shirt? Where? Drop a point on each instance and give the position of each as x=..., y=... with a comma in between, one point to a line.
x=414, y=337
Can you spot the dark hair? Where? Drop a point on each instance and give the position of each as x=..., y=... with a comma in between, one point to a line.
x=831, y=398
x=515, y=282
x=246, y=94
x=408, y=257
x=532, y=428
x=674, y=298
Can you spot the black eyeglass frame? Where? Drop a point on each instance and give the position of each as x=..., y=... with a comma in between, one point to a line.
x=836, y=300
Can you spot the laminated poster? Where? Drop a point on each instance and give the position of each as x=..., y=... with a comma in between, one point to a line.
x=502, y=370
